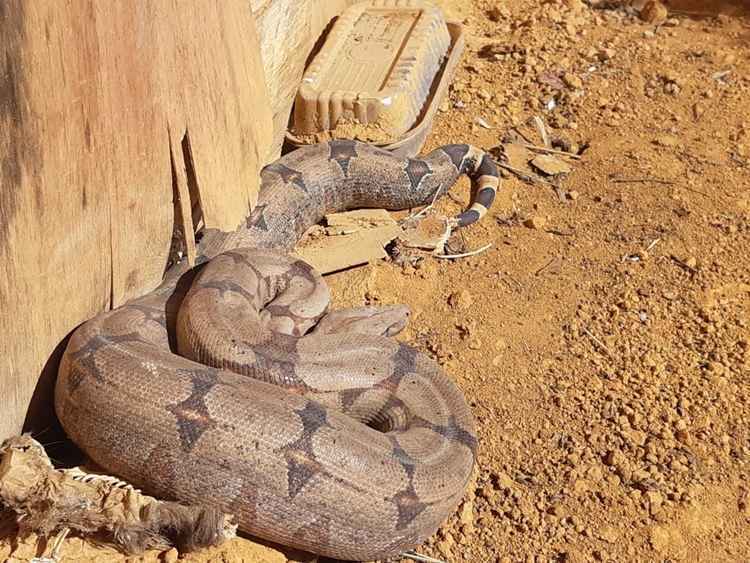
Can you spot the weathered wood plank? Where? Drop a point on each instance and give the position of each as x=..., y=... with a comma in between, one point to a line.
x=88, y=94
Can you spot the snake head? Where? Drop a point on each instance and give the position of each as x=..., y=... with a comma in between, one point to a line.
x=391, y=319
x=386, y=320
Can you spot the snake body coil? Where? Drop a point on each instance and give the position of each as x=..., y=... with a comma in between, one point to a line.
x=231, y=384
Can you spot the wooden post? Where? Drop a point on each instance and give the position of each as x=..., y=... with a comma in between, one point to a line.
x=90, y=95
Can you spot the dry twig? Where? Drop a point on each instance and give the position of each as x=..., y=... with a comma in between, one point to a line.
x=424, y=210
x=414, y=556
x=653, y=244
x=521, y=134
x=466, y=254
x=547, y=265
x=644, y=180
x=525, y=176
x=511, y=278
x=54, y=556
x=542, y=129
x=560, y=233
x=682, y=264
x=596, y=340
x=551, y=151
x=688, y=188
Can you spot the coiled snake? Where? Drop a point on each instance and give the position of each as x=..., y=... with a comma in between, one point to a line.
x=230, y=385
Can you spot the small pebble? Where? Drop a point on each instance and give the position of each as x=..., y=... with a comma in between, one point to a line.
x=654, y=12
x=461, y=299
x=537, y=222
x=608, y=534
x=572, y=81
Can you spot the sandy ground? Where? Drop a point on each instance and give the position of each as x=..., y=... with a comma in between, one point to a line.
x=603, y=340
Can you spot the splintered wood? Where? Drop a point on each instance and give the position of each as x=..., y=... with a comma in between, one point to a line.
x=430, y=233
x=355, y=238
x=48, y=501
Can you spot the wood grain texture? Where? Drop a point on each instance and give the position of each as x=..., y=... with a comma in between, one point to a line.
x=88, y=95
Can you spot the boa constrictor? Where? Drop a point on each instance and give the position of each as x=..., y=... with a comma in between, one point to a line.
x=230, y=385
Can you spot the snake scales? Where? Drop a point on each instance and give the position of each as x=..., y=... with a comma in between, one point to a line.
x=230, y=385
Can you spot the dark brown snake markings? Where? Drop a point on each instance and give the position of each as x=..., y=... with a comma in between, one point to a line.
x=232, y=384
